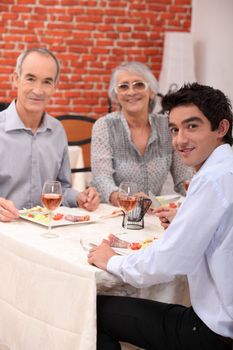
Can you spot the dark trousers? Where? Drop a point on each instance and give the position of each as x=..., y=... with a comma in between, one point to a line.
x=152, y=325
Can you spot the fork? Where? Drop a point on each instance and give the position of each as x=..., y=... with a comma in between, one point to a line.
x=90, y=245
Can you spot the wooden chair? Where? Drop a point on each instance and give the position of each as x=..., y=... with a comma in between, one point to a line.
x=78, y=129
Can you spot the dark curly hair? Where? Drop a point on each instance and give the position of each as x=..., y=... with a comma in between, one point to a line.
x=211, y=102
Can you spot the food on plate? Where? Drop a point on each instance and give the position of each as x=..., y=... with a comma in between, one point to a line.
x=77, y=218
x=58, y=216
x=173, y=205
x=36, y=209
x=116, y=242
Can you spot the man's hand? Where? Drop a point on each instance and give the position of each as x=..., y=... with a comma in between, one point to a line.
x=100, y=255
x=88, y=199
x=8, y=211
x=165, y=215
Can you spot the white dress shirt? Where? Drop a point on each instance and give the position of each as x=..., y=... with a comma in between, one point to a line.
x=198, y=243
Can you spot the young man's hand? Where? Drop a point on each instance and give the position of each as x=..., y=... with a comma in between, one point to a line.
x=165, y=215
x=100, y=255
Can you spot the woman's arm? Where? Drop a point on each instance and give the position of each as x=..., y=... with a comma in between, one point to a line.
x=101, y=162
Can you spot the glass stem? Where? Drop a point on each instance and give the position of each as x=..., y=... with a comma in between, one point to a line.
x=50, y=222
x=126, y=221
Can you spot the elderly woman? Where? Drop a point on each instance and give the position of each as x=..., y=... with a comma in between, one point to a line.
x=133, y=144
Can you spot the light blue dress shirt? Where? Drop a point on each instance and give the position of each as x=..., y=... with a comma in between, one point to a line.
x=28, y=160
x=198, y=243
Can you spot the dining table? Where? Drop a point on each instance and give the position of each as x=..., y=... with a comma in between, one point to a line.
x=48, y=290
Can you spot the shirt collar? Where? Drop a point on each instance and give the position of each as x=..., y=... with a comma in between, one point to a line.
x=218, y=155
x=154, y=134
x=13, y=121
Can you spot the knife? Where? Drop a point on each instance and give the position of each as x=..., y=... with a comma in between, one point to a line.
x=159, y=201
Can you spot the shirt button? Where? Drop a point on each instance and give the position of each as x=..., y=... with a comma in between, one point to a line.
x=194, y=328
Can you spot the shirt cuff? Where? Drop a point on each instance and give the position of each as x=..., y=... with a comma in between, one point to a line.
x=70, y=198
x=114, y=264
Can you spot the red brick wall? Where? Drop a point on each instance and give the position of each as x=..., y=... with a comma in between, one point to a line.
x=90, y=37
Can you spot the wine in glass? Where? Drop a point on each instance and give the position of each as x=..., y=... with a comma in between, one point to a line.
x=51, y=198
x=186, y=185
x=127, y=198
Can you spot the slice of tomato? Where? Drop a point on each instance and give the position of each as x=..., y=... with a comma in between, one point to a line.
x=172, y=205
x=58, y=216
x=135, y=245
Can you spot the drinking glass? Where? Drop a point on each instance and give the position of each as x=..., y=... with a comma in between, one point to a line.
x=186, y=185
x=127, y=198
x=51, y=198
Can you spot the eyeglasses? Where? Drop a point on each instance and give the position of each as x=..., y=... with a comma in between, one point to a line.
x=137, y=86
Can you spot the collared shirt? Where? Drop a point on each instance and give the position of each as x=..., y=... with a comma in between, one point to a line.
x=115, y=157
x=198, y=243
x=28, y=160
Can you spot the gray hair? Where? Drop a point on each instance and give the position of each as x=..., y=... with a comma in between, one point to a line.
x=40, y=50
x=139, y=69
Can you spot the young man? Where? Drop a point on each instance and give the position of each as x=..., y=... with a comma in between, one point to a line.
x=33, y=145
x=197, y=243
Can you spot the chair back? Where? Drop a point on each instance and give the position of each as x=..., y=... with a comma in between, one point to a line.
x=78, y=130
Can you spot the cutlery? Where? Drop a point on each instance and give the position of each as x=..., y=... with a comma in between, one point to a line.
x=114, y=214
x=87, y=246
x=160, y=202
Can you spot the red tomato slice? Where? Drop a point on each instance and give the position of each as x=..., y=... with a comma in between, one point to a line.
x=135, y=245
x=58, y=216
x=172, y=205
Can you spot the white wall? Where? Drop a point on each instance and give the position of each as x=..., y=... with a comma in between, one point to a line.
x=212, y=29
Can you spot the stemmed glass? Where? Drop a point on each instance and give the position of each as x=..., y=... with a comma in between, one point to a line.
x=51, y=198
x=186, y=185
x=127, y=198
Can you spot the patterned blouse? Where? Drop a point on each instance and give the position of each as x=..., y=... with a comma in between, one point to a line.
x=115, y=157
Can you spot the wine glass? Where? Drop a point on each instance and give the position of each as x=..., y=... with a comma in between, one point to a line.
x=51, y=198
x=127, y=198
x=186, y=185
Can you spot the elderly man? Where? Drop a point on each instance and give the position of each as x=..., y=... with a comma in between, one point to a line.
x=33, y=145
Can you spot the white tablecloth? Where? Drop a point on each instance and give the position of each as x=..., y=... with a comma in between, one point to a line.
x=48, y=290
x=76, y=162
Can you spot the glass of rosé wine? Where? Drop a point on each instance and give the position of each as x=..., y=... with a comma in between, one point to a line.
x=51, y=198
x=186, y=185
x=127, y=198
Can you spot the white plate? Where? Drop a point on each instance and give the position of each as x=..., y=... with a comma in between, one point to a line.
x=43, y=219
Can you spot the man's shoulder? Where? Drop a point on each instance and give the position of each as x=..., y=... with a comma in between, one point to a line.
x=54, y=122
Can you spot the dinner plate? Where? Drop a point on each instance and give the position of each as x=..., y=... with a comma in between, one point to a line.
x=43, y=219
